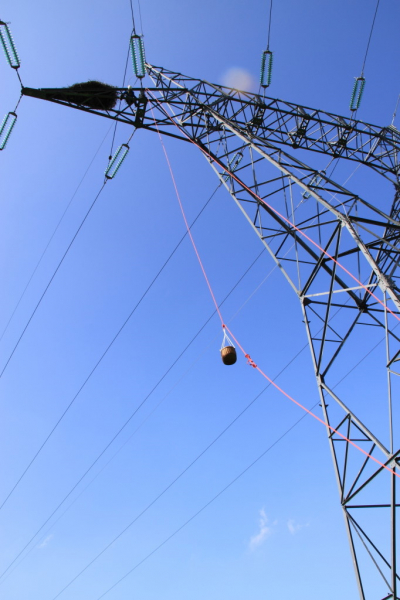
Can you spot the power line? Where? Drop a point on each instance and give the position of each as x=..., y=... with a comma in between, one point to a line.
x=269, y=23
x=196, y=514
x=189, y=466
x=120, y=102
x=66, y=209
x=225, y=488
x=171, y=484
x=370, y=36
x=50, y=282
x=204, y=451
x=219, y=435
x=133, y=17
x=140, y=17
x=131, y=416
x=105, y=351
x=41, y=298
x=154, y=388
x=126, y=422
x=52, y=236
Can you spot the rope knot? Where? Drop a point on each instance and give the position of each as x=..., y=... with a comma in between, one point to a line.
x=250, y=361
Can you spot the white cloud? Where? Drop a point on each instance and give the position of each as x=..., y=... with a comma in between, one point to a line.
x=265, y=531
x=239, y=79
x=45, y=541
x=295, y=527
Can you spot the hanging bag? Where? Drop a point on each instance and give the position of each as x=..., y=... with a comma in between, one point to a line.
x=228, y=351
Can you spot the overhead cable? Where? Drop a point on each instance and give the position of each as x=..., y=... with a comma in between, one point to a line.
x=253, y=463
x=133, y=17
x=126, y=528
x=203, y=508
x=370, y=36
x=119, y=106
x=359, y=83
x=50, y=282
x=122, y=428
x=140, y=18
x=225, y=488
x=105, y=351
x=52, y=236
x=203, y=452
x=269, y=23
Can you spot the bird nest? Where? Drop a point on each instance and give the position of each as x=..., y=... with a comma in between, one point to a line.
x=92, y=94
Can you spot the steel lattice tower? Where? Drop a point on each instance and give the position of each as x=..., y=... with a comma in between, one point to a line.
x=245, y=138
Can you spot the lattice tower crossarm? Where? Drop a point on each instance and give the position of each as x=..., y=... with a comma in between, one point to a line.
x=270, y=119
x=245, y=138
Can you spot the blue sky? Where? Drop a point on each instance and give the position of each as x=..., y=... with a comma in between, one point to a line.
x=278, y=531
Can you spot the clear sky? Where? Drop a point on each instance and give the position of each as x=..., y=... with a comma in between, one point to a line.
x=278, y=531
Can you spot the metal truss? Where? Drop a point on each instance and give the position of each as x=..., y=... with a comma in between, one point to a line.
x=269, y=119
x=338, y=252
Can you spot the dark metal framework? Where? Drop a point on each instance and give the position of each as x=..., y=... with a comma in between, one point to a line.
x=338, y=252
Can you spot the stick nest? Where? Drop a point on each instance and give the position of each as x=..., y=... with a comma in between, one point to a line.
x=92, y=94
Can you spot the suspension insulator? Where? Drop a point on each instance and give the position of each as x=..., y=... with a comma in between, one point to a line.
x=266, y=68
x=117, y=161
x=233, y=164
x=315, y=181
x=138, y=59
x=6, y=128
x=9, y=46
x=358, y=91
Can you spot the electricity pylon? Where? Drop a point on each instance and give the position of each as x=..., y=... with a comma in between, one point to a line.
x=338, y=253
